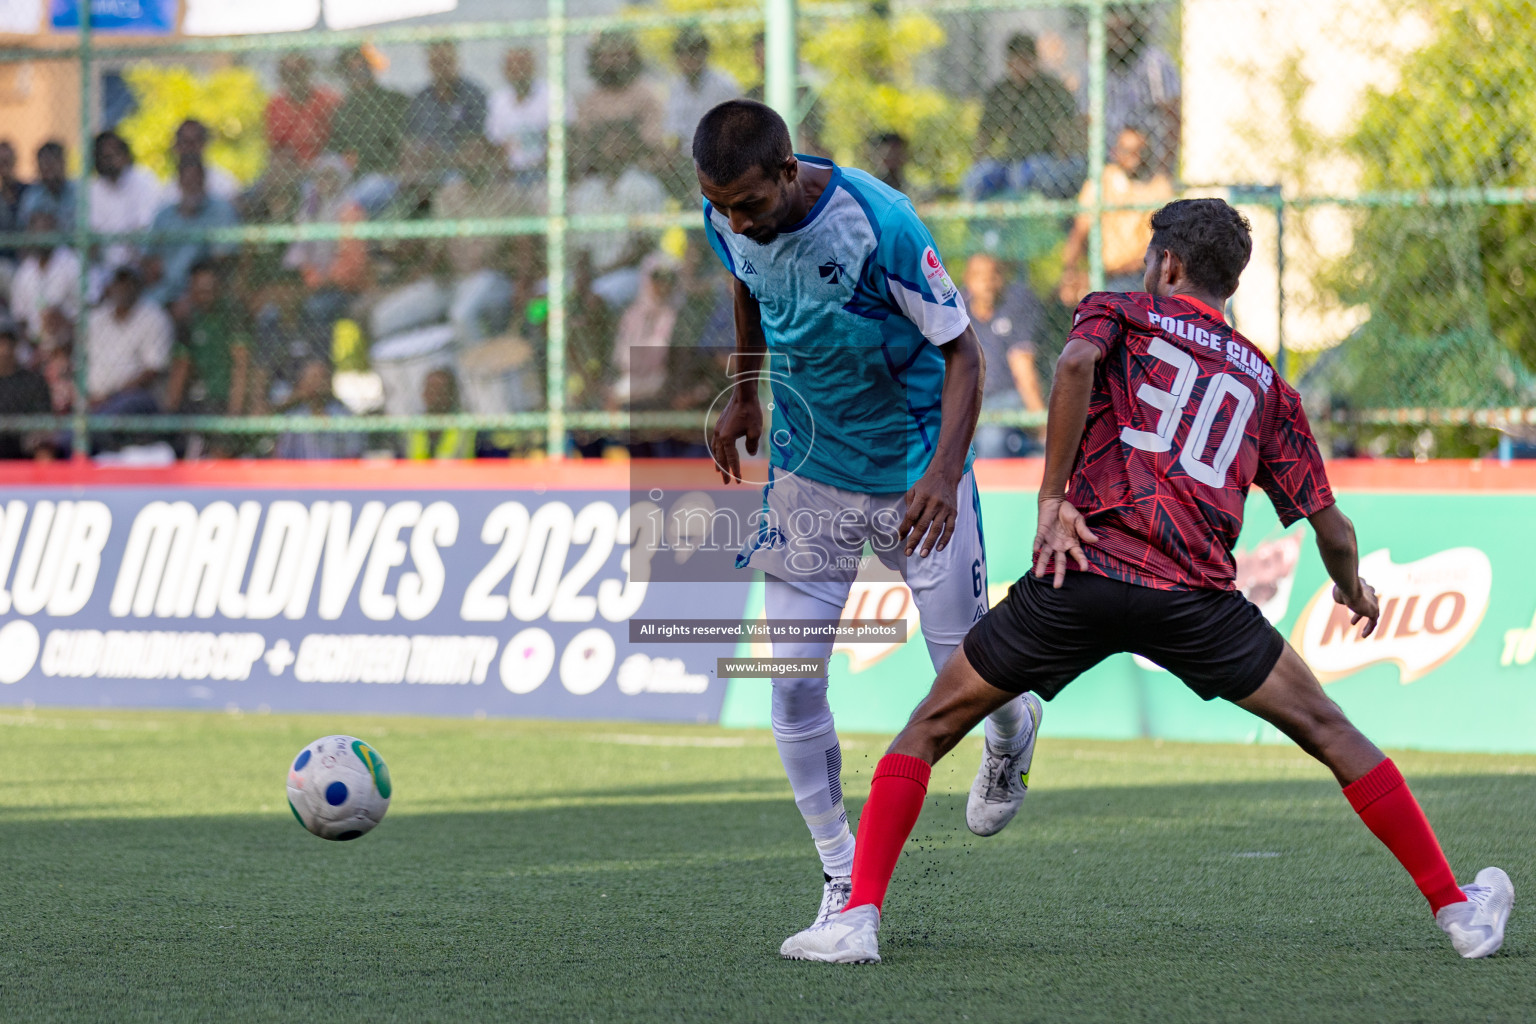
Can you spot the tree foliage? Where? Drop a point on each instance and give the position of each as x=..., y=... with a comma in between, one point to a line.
x=865, y=77
x=230, y=102
x=1461, y=115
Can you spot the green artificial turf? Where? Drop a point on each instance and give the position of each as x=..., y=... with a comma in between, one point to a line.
x=150, y=871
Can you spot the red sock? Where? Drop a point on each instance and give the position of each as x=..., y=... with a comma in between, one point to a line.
x=895, y=800
x=1386, y=805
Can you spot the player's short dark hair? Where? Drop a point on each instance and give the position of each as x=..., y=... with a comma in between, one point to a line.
x=737, y=136
x=1210, y=238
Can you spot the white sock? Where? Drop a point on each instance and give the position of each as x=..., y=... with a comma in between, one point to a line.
x=814, y=766
x=1008, y=727
x=805, y=734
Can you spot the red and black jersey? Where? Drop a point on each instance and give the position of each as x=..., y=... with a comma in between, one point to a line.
x=1185, y=414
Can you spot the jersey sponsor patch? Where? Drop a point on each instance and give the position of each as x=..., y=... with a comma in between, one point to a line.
x=938, y=280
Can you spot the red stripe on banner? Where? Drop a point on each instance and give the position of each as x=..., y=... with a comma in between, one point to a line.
x=1009, y=474
x=1439, y=476
x=1435, y=476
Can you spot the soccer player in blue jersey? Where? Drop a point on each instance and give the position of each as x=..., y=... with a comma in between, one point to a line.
x=838, y=282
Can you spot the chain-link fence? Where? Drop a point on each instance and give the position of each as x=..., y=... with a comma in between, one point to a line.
x=484, y=239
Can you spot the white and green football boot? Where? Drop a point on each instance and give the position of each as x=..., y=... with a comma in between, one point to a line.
x=1002, y=781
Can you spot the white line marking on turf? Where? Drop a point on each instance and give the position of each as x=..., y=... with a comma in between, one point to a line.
x=635, y=740
x=1257, y=853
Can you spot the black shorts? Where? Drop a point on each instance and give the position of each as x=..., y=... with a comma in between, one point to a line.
x=1039, y=638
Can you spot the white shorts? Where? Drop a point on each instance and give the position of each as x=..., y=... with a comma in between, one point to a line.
x=812, y=535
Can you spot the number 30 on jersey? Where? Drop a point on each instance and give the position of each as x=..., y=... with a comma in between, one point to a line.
x=1170, y=406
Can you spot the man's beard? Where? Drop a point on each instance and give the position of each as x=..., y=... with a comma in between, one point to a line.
x=762, y=236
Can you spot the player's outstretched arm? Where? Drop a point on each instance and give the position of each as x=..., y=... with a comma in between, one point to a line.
x=742, y=416
x=1062, y=530
x=931, y=508
x=1341, y=557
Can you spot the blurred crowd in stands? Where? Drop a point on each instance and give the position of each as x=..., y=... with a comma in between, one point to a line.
x=337, y=325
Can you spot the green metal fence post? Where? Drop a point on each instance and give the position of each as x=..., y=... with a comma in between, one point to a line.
x=554, y=250
x=1097, y=61
x=780, y=60
x=80, y=429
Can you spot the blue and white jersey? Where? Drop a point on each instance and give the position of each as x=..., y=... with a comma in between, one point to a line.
x=855, y=304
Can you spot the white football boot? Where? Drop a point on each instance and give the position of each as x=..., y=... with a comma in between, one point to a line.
x=834, y=897
x=1002, y=781
x=848, y=938
x=1476, y=927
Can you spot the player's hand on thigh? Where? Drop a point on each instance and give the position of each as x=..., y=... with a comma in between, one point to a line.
x=741, y=418
x=931, y=513
x=1062, y=532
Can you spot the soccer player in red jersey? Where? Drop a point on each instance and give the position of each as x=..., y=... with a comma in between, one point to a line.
x=1161, y=417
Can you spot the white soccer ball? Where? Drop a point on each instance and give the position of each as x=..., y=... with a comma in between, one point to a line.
x=338, y=787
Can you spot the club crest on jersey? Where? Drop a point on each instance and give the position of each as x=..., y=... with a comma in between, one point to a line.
x=832, y=271
x=938, y=280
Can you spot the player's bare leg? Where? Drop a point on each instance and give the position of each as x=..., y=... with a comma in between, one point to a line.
x=960, y=699
x=1292, y=700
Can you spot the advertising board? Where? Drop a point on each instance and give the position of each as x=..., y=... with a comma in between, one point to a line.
x=506, y=589
x=1452, y=666
x=479, y=590
x=137, y=17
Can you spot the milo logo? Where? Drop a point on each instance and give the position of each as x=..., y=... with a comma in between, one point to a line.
x=376, y=766
x=1429, y=610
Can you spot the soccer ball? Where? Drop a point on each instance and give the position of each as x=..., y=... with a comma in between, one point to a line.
x=338, y=787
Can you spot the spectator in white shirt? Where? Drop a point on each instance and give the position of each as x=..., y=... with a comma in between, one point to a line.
x=127, y=348
x=696, y=90
x=517, y=118
x=188, y=145
x=124, y=197
x=48, y=278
